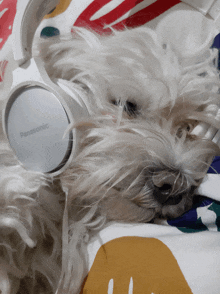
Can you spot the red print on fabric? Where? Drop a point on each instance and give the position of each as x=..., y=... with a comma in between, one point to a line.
x=7, y=14
x=139, y=18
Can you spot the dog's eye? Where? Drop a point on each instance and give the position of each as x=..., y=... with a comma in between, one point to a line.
x=114, y=102
x=131, y=108
x=184, y=129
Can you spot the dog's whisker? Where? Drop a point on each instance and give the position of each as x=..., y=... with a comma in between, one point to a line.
x=134, y=182
x=119, y=180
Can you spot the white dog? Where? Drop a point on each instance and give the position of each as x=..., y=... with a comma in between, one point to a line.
x=140, y=157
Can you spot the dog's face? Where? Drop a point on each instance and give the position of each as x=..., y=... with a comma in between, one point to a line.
x=139, y=158
x=138, y=170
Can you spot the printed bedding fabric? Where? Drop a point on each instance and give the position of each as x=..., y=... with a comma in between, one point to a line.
x=176, y=256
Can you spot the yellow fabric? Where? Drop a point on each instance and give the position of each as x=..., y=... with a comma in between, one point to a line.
x=148, y=261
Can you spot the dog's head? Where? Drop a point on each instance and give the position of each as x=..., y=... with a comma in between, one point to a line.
x=139, y=169
x=139, y=157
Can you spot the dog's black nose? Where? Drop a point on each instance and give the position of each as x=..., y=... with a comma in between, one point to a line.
x=163, y=192
x=167, y=187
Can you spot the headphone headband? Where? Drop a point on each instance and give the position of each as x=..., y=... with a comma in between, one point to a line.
x=28, y=17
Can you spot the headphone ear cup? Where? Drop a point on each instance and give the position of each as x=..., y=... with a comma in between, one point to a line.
x=36, y=122
x=37, y=119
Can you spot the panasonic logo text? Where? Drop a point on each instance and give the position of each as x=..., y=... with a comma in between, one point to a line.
x=35, y=130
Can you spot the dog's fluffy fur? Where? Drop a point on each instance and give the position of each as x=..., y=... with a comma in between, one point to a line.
x=30, y=229
x=138, y=160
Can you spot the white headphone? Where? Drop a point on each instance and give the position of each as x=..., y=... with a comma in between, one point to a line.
x=39, y=111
